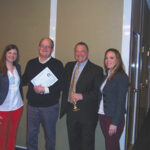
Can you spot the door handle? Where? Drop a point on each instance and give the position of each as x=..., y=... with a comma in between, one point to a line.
x=134, y=90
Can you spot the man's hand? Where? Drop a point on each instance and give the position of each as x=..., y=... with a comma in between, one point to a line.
x=39, y=89
x=76, y=97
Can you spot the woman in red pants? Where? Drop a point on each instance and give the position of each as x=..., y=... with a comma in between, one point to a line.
x=11, y=104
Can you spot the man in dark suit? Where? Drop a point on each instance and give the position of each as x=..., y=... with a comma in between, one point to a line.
x=81, y=124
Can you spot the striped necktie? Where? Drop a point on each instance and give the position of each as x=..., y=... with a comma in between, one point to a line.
x=74, y=80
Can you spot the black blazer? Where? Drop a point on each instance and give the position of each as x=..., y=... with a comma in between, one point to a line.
x=114, y=97
x=87, y=84
x=4, y=85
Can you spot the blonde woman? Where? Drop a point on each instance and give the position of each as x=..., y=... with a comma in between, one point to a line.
x=112, y=104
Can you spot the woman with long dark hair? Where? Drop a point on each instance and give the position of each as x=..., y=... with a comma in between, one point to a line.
x=11, y=104
x=112, y=104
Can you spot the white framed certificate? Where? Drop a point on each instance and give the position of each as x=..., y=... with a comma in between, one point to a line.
x=45, y=78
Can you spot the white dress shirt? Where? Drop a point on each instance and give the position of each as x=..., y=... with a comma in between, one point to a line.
x=81, y=67
x=101, y=106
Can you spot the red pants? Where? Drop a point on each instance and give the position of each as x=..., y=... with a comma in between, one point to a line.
x=111, y=142
x=8, y=128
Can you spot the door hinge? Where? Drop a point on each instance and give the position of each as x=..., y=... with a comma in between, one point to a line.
x=148, y=52
x=142, y=49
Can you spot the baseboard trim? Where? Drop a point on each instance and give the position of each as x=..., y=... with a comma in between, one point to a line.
x=21, y=147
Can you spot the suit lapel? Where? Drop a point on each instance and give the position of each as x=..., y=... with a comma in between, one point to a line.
x=84, y=72
x=71, y=71
x=82, y=75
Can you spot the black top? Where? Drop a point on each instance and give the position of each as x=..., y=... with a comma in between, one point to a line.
x=33, y=68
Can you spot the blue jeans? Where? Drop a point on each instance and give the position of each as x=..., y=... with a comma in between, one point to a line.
x=47, y=116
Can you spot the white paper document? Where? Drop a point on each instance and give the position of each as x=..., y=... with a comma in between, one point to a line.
x=45, y=78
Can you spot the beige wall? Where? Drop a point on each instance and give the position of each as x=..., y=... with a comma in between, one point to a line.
x=24, y=23
x=96, y=22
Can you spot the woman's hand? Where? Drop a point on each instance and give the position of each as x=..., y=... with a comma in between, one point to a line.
x=112, y=129
x=1, y=119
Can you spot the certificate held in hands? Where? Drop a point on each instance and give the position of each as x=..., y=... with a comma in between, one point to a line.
x=45, y=78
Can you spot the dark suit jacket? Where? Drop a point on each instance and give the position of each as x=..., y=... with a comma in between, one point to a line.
x=87, y=84
x=4, y=85
x=114, y=97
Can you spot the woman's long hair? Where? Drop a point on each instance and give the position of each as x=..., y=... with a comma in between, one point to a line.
x=119, y=67
x=3, y=67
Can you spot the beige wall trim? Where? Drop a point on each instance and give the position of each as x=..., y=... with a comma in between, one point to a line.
x=21, y=147
x=126, y=50
x=53, y=21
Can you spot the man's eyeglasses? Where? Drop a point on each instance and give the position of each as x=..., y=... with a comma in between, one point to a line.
x=45, y=46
